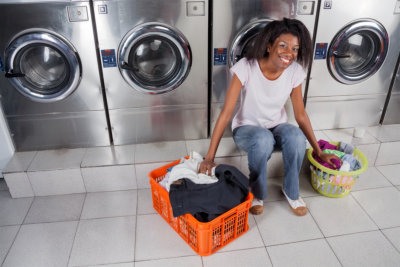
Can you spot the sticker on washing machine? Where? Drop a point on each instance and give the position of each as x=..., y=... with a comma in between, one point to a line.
x=1, y=65
x=220, y=56
x=320, y=50
x=108, y=58
x=327, y=4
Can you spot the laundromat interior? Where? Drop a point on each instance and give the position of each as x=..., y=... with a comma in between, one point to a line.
x=97, y=94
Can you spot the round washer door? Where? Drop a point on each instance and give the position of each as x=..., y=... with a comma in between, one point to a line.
x=154, y=58
x=357, y=51
x=42, y=66
x=244, y=40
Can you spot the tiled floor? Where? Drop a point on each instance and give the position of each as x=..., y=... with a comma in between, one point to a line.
x=120, y=227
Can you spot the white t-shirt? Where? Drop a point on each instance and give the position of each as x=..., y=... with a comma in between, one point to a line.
x=261, y=100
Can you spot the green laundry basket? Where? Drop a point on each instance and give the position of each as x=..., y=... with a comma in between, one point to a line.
x=333, y=183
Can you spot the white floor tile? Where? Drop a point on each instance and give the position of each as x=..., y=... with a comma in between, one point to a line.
x=110, y=178
x=200, y=146
x=192, y=261
x=13, y=211
x=393, y=235
x=319, y=135
x=58, y=182
x=250, y=239
x=382, y=205
x=155, y=239
x=19, y=162
x=104, y=241
x=308, y=253
x=128, y=264
x=59, y=159
x=7, y=236
x=391, y=172
x=47, y=244
x=364, y=249
x=143, y=170
x=389, y=153
x=279, y=225
x=19, y=184
x=250, y=257
x=346, y=135
x=55, y=209
x=339, y=216
x=369, y=179
x=145, y=202
x=386, y=133
x=160, y=152
x=226, y=148
x=110, y=204
x=110, y=155
x=370, y=151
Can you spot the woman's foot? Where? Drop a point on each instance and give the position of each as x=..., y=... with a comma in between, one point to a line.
x=257, y=206
x=297, y=206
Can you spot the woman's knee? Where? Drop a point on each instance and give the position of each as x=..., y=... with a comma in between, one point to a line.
x=263, y=140
x=294, y=137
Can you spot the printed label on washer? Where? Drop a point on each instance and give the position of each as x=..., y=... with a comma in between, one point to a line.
x=320, y=50
x=108, y=58
x=1, y=65
x=220, y=56
x=327, y=4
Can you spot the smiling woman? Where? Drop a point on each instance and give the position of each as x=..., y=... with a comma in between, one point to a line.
x=270, y=73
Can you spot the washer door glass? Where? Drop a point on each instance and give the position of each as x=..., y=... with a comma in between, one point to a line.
x=358, y=51
x=244, y=40
x=154, y=58
x=43, y=67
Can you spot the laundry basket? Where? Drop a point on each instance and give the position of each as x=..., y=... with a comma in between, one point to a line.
x=333, y=183
x=203, y=238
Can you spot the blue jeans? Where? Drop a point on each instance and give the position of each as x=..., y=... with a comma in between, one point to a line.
x=259, y=143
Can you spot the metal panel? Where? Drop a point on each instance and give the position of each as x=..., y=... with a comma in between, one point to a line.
x=63, y=130
x=152, y=124
x=345, y=111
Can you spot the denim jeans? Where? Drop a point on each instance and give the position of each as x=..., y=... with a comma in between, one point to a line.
x=259, y=143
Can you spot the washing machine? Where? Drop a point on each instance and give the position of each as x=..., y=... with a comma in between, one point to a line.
x=154, y=64
x=391, y=111
x=235, y=23
x=353, y=64
x=50, y=87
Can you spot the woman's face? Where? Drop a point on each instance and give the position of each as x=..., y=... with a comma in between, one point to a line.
x=284, y=50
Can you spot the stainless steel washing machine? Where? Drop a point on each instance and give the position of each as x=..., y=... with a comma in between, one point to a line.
x=154, y=59
x=391, y=114
x=357, y=44
x=235, y=23
x=50, y=86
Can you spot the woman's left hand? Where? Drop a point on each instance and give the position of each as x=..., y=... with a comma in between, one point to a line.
x=328, y=159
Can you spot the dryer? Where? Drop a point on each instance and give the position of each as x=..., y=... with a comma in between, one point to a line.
x=235, y=23
x=353, y=64
x=154, y=63
x=50, y=85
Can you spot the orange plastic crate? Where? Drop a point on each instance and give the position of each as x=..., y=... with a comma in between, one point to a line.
x=203, y=238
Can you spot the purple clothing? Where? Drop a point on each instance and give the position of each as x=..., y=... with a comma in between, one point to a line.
x=326, y=145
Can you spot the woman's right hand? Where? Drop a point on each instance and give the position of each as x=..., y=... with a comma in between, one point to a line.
x=206, y=165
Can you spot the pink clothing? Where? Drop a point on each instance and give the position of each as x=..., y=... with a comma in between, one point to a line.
x=262, y=101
